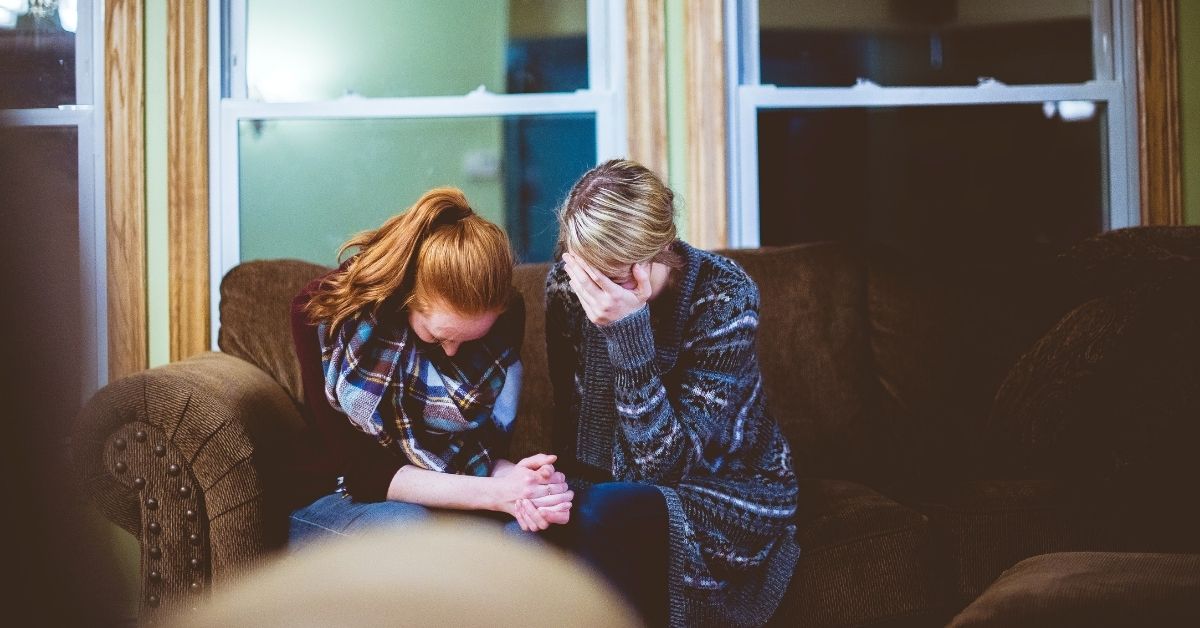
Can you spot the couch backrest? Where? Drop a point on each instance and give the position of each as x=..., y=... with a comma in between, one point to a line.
x=871, y=369
x=256, y=316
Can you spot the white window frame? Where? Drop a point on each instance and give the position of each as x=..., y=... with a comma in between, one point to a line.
x=1115, y=85
x=604, y=98
x=86, y=116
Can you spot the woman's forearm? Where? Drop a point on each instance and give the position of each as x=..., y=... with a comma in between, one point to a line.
x=442, y=490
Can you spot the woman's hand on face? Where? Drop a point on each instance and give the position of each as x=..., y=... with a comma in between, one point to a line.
x=603, y=301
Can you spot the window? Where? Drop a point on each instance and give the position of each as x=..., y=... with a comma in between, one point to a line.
x=944, y=127
x=332, y=116
x=51, y=145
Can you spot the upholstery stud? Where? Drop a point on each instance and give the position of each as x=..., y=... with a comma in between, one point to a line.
x=154, y=527
x=119, y=444
x=151, y=503
x=121, y=467
x=195, y=587
x=160, y=450
x=155, y=576
x=155, y=552
x=139, y=483
x=194, y=538
x=153, y=600
x=185, y=491
x=195, y=563
x=140, y=436
x=190, y=514
x=173, y=469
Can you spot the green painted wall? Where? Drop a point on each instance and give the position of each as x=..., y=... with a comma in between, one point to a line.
x=677, y=167
x=1189, y=89
x=157, y=234
x=307, y=185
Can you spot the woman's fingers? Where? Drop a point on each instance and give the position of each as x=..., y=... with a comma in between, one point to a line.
x=538, y=461
x=519, y=515
x=554, y=499
x=598, y=278
x=641, y=276
x=557, y=515
x=576, y=270
x=536, y=520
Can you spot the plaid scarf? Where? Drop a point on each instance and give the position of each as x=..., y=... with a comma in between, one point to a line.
x=436, y=410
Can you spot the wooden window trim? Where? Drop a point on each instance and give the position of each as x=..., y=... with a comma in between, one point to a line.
x=707, y=137
x=187, y=176
x=1159, y=145
x=646, y=97
x=125, y=196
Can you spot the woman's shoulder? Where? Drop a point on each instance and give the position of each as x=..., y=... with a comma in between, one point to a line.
x=716, y=274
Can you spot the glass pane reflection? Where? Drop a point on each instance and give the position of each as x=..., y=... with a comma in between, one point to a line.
x=307, y=185
x=319, y=50
x=965, y=182
x=37, y=54
x=815, y=43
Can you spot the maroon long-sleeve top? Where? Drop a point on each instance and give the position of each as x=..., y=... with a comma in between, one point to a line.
x=366, y=467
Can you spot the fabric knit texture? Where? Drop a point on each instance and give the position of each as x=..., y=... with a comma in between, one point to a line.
x=671, y=395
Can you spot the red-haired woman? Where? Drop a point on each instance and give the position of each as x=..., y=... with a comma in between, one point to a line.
x=409, y=354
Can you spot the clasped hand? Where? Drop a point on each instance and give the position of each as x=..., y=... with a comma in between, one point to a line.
x=534, y=493
x=604, y=301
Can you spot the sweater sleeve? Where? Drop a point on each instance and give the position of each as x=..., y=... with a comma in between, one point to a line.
x=664, y=429
x=366, y=466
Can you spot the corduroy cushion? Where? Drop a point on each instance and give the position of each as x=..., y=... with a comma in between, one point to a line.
x=983, y=527
x=816, y=358
x=865, y=560
x=1093, y=589
x=1127, y=258
x=256, y=316
x=1108, y=398
x=531, y=434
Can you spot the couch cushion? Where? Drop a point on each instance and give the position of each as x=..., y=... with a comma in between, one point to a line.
x=1091, y=589
x=813, y=348
x=865, y=559
x=1127, y=258
x=983, y=527
x=256, y=316
x=1108, y=397
x=531, y=434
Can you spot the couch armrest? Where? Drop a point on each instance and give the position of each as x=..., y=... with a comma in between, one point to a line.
x=187, y=457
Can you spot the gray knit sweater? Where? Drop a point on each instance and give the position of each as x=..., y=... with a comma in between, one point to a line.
x=671, y=395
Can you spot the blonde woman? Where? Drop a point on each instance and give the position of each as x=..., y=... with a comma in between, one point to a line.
x=685, y=495
x=410, y=357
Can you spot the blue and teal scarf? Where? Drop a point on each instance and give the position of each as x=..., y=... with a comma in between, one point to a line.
x=434, y=409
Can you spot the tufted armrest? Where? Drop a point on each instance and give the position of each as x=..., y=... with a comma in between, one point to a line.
x=188, y=458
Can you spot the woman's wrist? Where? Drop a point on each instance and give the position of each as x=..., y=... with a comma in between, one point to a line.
x=501, y=468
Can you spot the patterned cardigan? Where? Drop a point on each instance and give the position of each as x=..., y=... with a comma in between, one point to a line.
x=671, y=395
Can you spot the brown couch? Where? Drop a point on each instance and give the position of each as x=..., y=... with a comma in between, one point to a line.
x=947, y=422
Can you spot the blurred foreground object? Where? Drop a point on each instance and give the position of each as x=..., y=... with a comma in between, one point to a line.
x=451, y=572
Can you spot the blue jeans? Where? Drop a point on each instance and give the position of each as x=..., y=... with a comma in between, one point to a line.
x=338, y=515
x=620, y=529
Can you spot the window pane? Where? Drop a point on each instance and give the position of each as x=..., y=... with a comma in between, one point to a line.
x=41, y=266
x=308, y=185
x=963, y=183
x=37, y=54
x=318, y=50
x=924, y=42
